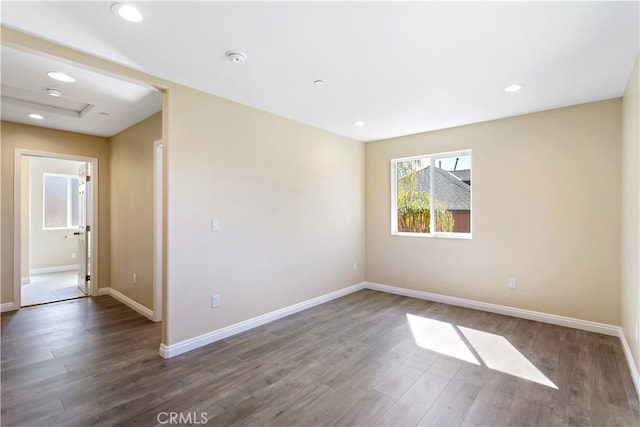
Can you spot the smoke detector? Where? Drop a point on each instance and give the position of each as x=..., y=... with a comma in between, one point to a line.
x=236, y=57
x=54, y=92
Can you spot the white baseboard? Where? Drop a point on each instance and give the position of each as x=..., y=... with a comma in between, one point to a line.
x=103, y=291
x=8, y=306
x=25, y=280
x=570, y=322
x=635, y=376
x=168, y=351
x=134, y=305
x=47, y=270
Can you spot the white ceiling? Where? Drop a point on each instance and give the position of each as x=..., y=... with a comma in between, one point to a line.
x=401, y=67
x=95, y=104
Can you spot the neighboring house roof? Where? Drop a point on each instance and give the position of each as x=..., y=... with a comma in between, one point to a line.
x=450, y=190
x=463, y=174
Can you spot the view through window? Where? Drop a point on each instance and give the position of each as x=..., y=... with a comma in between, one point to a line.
x=61, y=209
x=416, y=179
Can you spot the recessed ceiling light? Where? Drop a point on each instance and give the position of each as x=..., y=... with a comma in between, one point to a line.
x=513, y=88
x=127, y=12
x=61, y=77
x=359, y=123
x=36, y=116
x=54, y=92
x=318, y=82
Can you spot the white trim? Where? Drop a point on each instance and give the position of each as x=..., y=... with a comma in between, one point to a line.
x=394, y=195
x=9, y=306
x=134, y=305
x=436, y=235
x=17, y=219
x=432, y=190
x=168, y=351
x=157, y=230
x=59, y=269
x=25, y=280
x=17, y=230
x=1, y=240
x=570, y=322
x=432, y=196
x=103, y=291
x=635, y=376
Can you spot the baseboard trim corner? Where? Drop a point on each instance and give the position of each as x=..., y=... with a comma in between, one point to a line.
x=134, y=305
x=103, y=291
x=570, y=322
x=172, y=350
x=635, y=376
x=164, y=351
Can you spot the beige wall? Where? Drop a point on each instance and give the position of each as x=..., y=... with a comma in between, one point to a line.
x=290, y=200
x=49, y=248
x=546, y=210
x=291, y=203
x=25, y=137
x=132, y=159
x=630, y=261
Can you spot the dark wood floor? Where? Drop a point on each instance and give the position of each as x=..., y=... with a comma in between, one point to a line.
x=353, y=361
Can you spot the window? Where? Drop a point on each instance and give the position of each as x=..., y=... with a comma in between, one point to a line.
x=415, y=179
x=61, y=208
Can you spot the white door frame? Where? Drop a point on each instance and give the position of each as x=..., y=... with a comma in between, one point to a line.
x=157, y=230
x=17, y=217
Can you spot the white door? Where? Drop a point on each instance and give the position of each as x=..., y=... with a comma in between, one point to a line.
x=84, y=229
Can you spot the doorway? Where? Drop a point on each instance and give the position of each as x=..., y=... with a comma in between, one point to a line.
x=55, y=216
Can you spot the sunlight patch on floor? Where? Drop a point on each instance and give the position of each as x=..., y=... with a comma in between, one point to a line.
x=494, y=351
x=500, y=355
x=441, y=337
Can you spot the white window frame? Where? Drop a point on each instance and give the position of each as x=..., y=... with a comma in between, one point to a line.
x=433, y=158
x=69, y=201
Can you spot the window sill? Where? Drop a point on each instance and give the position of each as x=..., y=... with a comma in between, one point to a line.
x=459, y=236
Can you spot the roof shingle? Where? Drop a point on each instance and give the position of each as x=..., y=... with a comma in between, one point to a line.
x=450, y=189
